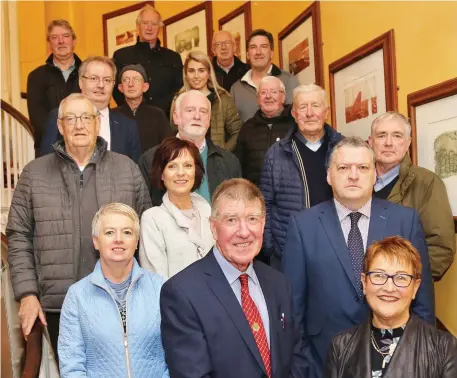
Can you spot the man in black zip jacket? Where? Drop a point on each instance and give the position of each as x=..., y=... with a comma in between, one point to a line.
x=50, y=83
x=269, y=125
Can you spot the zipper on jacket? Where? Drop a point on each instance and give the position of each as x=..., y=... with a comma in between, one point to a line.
x=81, y=180
x=303, y=173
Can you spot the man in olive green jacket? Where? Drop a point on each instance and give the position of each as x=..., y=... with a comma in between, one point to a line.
x=401, y=182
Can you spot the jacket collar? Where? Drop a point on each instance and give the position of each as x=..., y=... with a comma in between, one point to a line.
x=405, y=179
x=99, y=152
x=97, y=278
x=237, y=63
x=284, y=116
x=212, y=148
x=333, y=137
x=145, y=45
x=50, y=61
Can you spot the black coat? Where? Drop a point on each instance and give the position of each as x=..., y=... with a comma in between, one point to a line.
x=221, y=165
x=256, y=137
x=423, y=352
x=163, y=67
x=152, y=123
x=235, y=73
x=46, y=87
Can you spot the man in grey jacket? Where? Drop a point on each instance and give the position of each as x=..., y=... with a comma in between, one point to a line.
x=259, y=49
x=49, y=226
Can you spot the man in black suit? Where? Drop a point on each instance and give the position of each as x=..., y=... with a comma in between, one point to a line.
x=227, y=315
x=96, y=80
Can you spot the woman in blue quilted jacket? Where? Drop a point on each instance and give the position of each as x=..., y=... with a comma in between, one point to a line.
x=110, y=320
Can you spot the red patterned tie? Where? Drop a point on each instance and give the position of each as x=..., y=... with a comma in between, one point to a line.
x=255, y=322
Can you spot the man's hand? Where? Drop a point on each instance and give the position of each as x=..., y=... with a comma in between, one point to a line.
x=28, y=312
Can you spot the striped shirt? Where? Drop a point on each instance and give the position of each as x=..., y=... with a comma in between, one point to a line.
x=345, y=220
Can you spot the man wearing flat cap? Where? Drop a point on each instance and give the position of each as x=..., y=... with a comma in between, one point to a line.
x=153, y=125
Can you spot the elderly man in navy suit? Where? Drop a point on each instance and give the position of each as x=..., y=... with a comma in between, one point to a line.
x=96, y=79
x=325, y=246
x=226, y=315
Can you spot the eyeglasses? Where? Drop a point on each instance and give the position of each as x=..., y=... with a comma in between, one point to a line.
x=86, y=119
x=95, y=80
x=127, y=80
x=399, y=280
x=272, y=92
x=219, y=45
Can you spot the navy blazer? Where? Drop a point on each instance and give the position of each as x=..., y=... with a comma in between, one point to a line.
x=317, y=262
x=124, y=135
x=205, y=332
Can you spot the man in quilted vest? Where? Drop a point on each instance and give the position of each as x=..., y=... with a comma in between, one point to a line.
x=49, y=226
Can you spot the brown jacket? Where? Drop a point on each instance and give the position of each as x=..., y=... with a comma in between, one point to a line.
x=424, y=191
x=225, y=121
x=423, y=352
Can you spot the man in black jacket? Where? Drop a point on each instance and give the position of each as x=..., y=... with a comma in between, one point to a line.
x=192, y=115
x=270, y=124
x=163, y=66
x=153, y=125
x=50, y=83
x=227, y=66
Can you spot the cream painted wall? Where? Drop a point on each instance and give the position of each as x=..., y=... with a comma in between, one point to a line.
x=425, y=38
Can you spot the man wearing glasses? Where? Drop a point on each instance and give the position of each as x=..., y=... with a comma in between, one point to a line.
x=325, y=247
x=153, y=124
x=96, y=80
x=49, y=227
x=163, y=66
x=227, y=66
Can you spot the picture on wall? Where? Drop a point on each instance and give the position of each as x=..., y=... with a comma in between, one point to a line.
x=190, y=30
x=363, y=86
x=119, y=27
x=300, y=47
x=238, y=23
x=433, y=115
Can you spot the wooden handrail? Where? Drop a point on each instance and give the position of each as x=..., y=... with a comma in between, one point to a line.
x=21, y=118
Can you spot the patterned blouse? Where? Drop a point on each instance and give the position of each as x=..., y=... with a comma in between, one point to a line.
x=383, y=344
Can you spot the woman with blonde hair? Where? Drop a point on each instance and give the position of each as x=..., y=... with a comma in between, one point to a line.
x=198, y=74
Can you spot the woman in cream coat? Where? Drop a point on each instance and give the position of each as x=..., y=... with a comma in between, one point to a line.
x=176, y=233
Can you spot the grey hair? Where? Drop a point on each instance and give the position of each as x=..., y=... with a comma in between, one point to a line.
x=354, y=142
x=268, y=78
x=308, y=88
x=146, y=8
x=181, y=96
x=236, y=189
x=216, y=33
x=73, y=97
x=97, y=58
x=63, y=24
x=116, y=208
x=389, y=116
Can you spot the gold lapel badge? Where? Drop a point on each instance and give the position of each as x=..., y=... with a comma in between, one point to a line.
x=255, y=327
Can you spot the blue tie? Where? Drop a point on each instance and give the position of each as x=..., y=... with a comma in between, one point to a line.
x=355, y=246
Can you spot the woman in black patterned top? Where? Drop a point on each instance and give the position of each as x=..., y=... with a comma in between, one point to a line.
x=393, y=343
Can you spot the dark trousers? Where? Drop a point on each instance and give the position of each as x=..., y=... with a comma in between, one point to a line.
x=53, y=319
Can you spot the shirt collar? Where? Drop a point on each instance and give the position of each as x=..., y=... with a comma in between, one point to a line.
x=104, y=112
x=306, y=142
x=230, y=272
x=226, y=69
x=72, y=67
x=387, y=177
x=248, y=76
x=342, y=211
x=202, y=147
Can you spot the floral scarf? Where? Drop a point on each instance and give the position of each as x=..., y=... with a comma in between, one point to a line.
x=383, y=345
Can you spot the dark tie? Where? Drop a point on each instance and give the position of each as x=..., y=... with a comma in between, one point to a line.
x=255, y=322
x=355, y=246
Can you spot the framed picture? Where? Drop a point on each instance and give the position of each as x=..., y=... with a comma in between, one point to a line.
x=238, y=22
x=363, y=84
x=300, y=47
x=433, y=115
x=119, y=27
x=190, y=30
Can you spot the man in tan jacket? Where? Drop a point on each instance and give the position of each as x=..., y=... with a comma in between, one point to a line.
x=399, y=181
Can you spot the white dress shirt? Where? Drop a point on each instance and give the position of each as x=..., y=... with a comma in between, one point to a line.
x=105, y=130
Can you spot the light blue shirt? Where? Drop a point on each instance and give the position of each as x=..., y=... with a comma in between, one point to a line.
x=313, y=146
x=386, y=178
x=203, y=190
x=66, y=73
x=255, y=291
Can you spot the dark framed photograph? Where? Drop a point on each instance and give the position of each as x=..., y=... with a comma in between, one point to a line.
x=363, y=84
x=119, y=27
x=433, y=115
x=190, y=30
x=239, y=24
x=300, y=47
